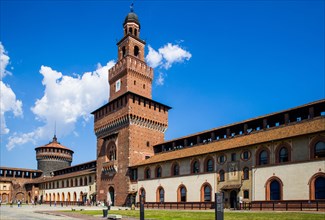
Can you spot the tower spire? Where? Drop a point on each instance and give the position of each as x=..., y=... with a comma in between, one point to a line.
x=54, y=137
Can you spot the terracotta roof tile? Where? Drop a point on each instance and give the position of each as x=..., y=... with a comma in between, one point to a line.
x=258, y=137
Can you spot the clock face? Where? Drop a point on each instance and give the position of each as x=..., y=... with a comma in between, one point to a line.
x=117, y=85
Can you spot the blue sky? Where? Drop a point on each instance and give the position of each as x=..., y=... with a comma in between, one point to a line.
x=216, y=63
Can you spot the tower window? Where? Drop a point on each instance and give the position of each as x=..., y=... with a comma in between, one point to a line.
x=130, y=30
x=136, y=32
x=136, y=51
x=123, y=51
x=144, y=86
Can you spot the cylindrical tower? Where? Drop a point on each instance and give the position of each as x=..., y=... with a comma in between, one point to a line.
x=53, y=156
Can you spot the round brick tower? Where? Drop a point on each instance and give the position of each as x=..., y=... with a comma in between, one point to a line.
x=53, y=156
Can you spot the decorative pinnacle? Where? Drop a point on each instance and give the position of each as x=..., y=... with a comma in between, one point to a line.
x=55, y=139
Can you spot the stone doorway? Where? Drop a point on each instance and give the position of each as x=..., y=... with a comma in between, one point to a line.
x=233, y=199
x=111, y=193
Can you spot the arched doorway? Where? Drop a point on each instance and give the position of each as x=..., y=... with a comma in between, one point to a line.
x=69, y=197
x=233, y=199
x=111, y=194
x=75, y=197
x=5, y=198
x=20, y=196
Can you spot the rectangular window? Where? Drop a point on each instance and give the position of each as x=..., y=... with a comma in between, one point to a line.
x=233, y=157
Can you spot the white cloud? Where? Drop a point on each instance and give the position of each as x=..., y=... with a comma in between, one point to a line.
x=66, y=100
x=165, y=57
x=161, y=79
x=4, y=61
x=153, y=58
x=8, y=101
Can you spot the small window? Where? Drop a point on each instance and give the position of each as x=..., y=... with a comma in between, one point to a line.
x=233, y=157
x=246, y=173
x=147, y=173
x=209, y=165
x=246, y=194
x=161, y=194
x=158, y=172
x=283, y=155
x=320, y=149
x=136, y=51
x=175, y=169
x=263, y=157
x=195, y=167
x=207, y=194
x=123, y=51
x=144, y=86
x=182, y=194
x=221, y=159
x=221, y=176
x=246, y=155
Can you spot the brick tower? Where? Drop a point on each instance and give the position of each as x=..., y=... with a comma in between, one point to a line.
x=53, y=156
x=131, y=122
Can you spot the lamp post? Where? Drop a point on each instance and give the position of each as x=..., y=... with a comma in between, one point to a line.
x=142, y=207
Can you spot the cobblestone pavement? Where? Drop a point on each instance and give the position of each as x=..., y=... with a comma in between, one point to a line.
x=46, y=212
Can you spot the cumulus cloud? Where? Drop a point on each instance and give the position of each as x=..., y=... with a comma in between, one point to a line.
x=8, y=100
x=66, y=101
x=165, y=57
x=4, y=61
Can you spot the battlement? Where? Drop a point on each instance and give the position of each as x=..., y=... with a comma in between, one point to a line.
x=133, y=64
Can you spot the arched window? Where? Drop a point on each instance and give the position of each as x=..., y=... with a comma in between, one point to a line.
x=136, y=32
x=209, y=165
x=283, y=155
x=317, y=147
x=67, y=183
x=76, y=182
x=175, y=169
x=136, y=51
x=62, y=184
x=89, y=179
x=181, y=193
x=195, y=166
x=130, y=30
x=320, y=149
x=158, y=172
x=320, y=188
x=206, y=193
x=275, y=193
x=85, y=181
x=80, y=182
x=273, y=188
x=246, y=173
x=160, y=194
x=221, y=175
x=263, y=157
x=147, y=173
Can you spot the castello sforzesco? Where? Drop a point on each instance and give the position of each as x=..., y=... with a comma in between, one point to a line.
x=275, y=157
